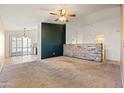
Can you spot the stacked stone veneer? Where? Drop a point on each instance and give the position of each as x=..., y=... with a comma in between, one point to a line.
x=84, y=51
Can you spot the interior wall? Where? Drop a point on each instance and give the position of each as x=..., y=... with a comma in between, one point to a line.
x=2, y=43
x=122, y=45
x=32, y=34
x=39, y=40
x=84, y=30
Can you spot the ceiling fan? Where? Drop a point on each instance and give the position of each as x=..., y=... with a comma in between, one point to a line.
x=62, y=15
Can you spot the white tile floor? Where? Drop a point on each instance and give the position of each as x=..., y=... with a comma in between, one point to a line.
x=18, y=59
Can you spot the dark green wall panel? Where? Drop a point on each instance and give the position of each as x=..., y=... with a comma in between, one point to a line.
x=53, y=38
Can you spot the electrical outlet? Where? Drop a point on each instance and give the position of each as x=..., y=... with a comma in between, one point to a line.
x=54, y=53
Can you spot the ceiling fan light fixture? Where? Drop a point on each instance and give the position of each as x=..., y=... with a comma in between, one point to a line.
x=62, y=18
x=63, y=11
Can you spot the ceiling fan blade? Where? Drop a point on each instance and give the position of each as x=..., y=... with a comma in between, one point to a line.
x=53, y=13
x=72, y=15
x=67, y=20
x=56, y=19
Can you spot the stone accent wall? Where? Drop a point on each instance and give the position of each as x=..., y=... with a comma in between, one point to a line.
x=91, y=52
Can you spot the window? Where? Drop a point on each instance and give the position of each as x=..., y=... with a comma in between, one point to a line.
x=21, y=46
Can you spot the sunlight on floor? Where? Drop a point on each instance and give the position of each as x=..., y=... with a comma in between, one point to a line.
x=18, y=59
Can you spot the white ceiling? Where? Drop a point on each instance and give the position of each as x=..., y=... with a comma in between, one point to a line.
x=16, y=17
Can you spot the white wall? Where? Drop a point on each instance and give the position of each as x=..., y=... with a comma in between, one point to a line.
x=122, y=45
x=32, y=34
x=39, y=39
x=1, y=39
x=106, y=22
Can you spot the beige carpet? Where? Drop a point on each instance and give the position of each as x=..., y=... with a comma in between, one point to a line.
x=61, y=72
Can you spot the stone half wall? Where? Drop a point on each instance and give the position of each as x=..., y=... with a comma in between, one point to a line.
x=92, y=52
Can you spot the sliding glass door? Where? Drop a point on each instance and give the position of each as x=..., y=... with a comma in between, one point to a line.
x=21, y=46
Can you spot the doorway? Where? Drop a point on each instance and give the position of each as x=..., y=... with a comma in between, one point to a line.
x=20, y=46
